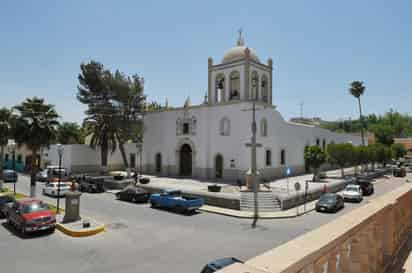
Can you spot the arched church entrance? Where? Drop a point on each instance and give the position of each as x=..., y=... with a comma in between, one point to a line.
x=185, y=160
x=219, y=166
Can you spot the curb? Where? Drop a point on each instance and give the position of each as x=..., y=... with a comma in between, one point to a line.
x=76, y=233
x=236, y=215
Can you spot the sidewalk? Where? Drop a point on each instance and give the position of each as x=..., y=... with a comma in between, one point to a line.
x=290, y=213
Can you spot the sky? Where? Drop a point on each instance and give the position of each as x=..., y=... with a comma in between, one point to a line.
x=318, y=48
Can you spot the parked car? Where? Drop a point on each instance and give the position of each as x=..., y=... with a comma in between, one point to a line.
x=352, y=192
x=330, y=202
x=366, y=187
x=51, y=173
x=91, y=185
x=6, y=200
x=52, y=189
x=173, y=199
x=10, y=176
x=219, y=264
x=133, y=194
x=29, y=215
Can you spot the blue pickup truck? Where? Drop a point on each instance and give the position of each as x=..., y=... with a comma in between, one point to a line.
x=173, y=199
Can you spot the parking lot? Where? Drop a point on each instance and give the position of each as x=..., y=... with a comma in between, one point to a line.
x=142, y=239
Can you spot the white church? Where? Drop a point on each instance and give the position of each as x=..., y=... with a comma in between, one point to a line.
x=208, y=141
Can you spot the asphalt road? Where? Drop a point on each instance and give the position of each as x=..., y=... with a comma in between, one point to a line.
x=140, y=239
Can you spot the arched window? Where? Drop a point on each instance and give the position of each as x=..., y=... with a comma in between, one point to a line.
x=318, y=142
x=234, y=85
x=193, y=129
x=224, y=127
x=324, y=144
x=178, y=127
x=220, y=88
x=282, y=157
x=265, y=93
x=255, y=86
x=268, y=158
x=263, y=127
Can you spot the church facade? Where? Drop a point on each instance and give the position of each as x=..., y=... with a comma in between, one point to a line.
x=208, y=141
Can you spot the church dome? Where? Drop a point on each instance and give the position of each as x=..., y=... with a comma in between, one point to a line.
x=239, y=53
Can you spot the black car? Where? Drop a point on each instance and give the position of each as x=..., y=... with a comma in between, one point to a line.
x=10, y=176
x=219, y=264
x=330, y=202
x=133, y=194
x=6, y=200
x=91, y=186
x=366, y=186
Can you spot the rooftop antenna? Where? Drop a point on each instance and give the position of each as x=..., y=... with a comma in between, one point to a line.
x=240, y=40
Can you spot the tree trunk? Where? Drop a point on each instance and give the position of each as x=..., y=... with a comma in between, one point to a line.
x=361, y=121
x=1, y=166
x=124, y=156
x=104, y=151
x=342, y=171
x=33, y=172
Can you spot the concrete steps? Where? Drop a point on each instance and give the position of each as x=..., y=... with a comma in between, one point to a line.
x=266, y=201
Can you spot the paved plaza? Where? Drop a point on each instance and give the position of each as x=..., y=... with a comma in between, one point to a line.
x=141, y=239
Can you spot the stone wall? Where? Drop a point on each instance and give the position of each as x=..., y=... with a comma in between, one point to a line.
x=364, y=240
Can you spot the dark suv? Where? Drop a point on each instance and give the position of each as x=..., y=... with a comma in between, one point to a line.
x=366, y=186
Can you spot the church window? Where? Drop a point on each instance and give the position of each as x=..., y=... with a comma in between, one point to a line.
x=178, y=127
x=193, y=127
x=220, y=88
x=282, y=157
x=268, y=158
x=317, y=142
x=225, y=127
x=234, y=85
x=186, y=128
x=255, y=85
x=265, y=93
x=263, y=127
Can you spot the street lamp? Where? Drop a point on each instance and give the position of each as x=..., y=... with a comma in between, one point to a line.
x=60, y=150
x=12, y=150
x=139, y=147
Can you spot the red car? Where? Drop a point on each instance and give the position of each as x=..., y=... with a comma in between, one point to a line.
x=30, y=215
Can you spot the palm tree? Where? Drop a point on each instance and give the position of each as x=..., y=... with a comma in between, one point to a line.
x=102, y=131
x=35, y=127
x=5, y=129
x=357, y=89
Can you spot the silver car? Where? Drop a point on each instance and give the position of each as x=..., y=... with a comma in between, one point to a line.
x=352, y=193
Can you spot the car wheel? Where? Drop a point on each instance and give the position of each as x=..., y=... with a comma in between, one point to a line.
x=134, y=199
x=22, y=230
x=180, y=209
x=153, y=204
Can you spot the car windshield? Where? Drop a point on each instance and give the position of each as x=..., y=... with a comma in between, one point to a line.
x=327, y=198
x=33, y=207
x=352, y=188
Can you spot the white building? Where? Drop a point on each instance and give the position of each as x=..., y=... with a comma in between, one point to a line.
x=208, y=140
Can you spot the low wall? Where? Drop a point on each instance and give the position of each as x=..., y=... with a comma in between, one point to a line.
x=364, y=240
x=214, y=199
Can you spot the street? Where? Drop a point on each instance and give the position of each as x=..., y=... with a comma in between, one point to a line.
x=140, y=239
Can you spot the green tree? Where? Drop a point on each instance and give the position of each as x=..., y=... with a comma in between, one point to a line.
x=398, y=150
x=383, y=154
x=363, y=156
x=340, y=155
x=5, y=131
x=129, y=98
x=373, y=154
x=315, y=157
x=100, y=124
x=69, y=133
x=357, y=89
x=384, y=134
x=36, y=127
